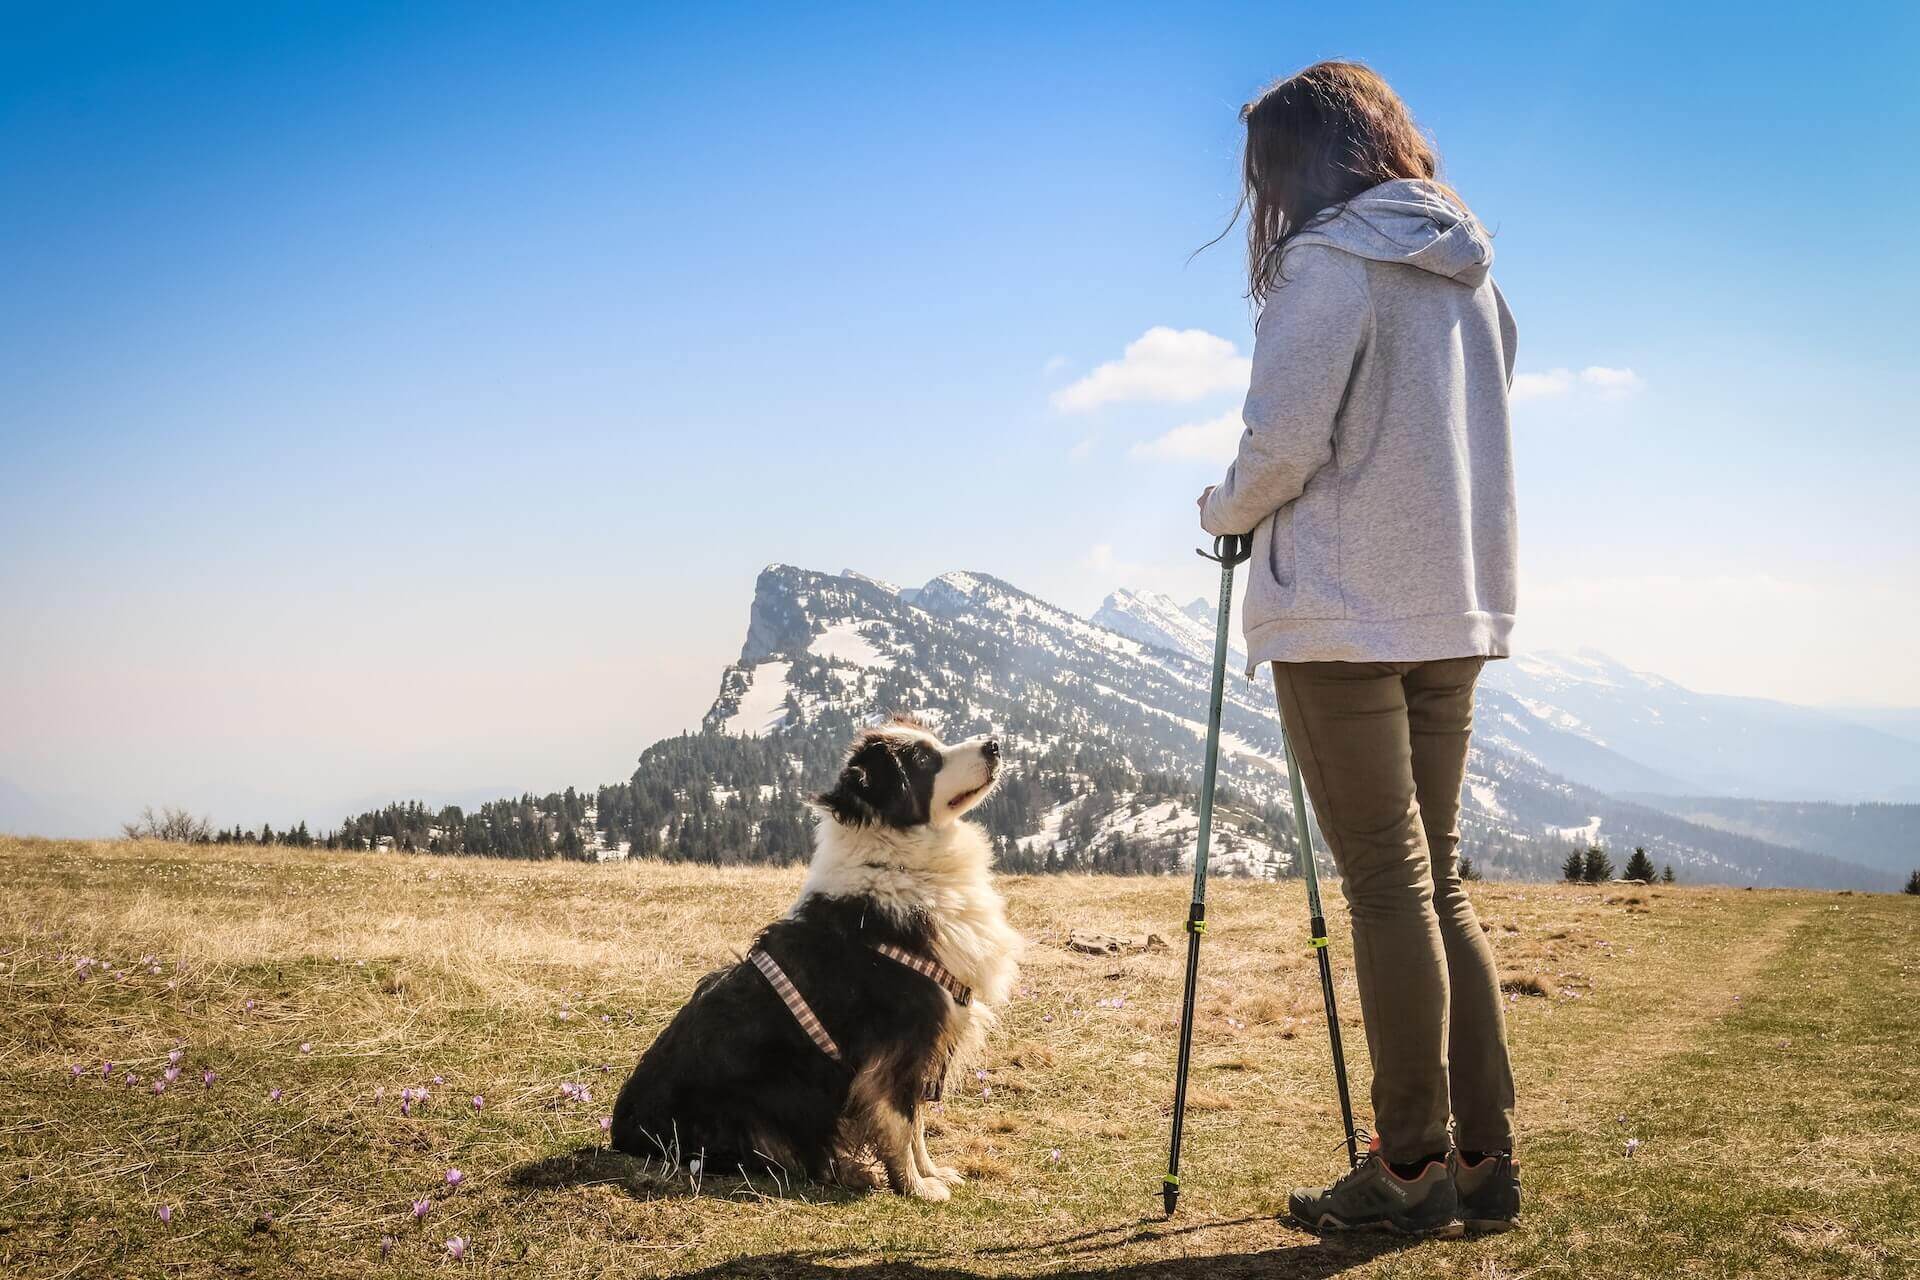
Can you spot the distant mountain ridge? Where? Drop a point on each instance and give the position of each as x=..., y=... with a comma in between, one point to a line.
x=1102, y=721
x=1687, y=743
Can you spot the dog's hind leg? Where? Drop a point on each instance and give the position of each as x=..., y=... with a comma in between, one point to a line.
x=854, y=1170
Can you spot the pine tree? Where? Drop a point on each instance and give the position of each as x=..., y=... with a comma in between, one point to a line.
x=1666, y=877
x=1574, y=869
x=1467, y=870
x=1913, y=883
x=1640, y=866
x=1597, y=867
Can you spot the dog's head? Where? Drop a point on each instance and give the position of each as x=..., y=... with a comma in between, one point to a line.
x=900, y=775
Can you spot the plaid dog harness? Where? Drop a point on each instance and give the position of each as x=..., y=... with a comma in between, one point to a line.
x=803, y=1013
x=795, y=1002
x=928, y=967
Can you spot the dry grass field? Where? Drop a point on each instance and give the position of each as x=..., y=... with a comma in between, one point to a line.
x=1712, y=1083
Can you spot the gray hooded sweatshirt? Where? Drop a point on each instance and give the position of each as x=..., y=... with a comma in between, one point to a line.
x=1376, y=470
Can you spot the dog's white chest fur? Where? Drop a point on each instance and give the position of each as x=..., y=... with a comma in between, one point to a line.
x=942, y=872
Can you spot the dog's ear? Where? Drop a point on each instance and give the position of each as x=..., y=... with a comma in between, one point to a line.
x=850, y=800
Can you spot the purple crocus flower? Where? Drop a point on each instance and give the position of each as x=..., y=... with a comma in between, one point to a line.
x=175, y=1056
x=172, y=1074
x=478, y=1102
x=207, y=1078
x=166, y=1213
x=132, y=1079
x=456, y=1248
x=77, y=1069
x=305, y=1047
x=386, y=1247
x=159, y=1086
x=455, y=1177
x=421, y=1208
x=106, y=1071
x=273, y=1095
x=1054, y=1155
x=438, y=1080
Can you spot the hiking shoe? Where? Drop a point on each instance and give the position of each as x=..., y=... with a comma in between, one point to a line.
x=1488, y=1192
x=1372, y=1197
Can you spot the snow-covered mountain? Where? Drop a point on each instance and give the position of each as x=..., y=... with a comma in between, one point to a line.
x=1103, y=715
x=1102, y=730
x=1102, y=722
x=1152, y=618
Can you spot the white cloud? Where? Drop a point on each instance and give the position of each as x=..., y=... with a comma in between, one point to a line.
x=1101, y=560
x=1214, y=440
x=1162, y=364
x=1595, y=379
x=1054, y=364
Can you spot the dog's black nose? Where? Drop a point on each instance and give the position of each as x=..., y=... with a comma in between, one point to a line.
x=991, y=748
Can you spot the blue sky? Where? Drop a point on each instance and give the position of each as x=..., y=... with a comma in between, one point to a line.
x=404, y=397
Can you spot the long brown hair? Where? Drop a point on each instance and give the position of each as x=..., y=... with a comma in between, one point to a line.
x=1315, y=140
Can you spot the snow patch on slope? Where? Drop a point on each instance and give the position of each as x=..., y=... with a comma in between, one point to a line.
x=844, y=641
x=763, y=705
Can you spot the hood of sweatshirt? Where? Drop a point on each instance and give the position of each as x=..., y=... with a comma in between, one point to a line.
x=1409, y=221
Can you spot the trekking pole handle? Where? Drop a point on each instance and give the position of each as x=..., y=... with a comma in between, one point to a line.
x=1228, y=548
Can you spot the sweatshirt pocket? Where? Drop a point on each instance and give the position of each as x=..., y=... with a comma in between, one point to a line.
x=1280, y=564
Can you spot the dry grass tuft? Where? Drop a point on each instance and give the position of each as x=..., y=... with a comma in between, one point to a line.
x=1529, y=984
x=1201, y=1098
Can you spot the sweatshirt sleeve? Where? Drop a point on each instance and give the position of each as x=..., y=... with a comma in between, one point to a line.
x=1308, y=337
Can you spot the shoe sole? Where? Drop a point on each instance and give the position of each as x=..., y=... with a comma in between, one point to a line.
x=1334, y=1224
x=1490, y=1224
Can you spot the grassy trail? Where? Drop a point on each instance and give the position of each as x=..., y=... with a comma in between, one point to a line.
x=1757, y=1046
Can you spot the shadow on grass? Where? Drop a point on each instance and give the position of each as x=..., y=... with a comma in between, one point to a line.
x=598, y=1166
x=1309, y=1260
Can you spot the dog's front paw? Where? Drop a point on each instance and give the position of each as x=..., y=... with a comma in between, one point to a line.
x=929, y=1189
x=949, y=1175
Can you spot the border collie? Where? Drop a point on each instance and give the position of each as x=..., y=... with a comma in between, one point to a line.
x=744, y=1077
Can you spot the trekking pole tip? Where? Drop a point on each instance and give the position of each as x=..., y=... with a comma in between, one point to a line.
x=1170, y=1195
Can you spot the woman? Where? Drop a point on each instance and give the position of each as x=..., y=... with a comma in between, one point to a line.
x=1376, y=479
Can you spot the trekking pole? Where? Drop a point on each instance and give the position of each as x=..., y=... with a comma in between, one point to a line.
x=1318, y=929
x=1228, y=550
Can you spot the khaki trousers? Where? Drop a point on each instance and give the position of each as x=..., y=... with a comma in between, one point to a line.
x=1382, y=748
